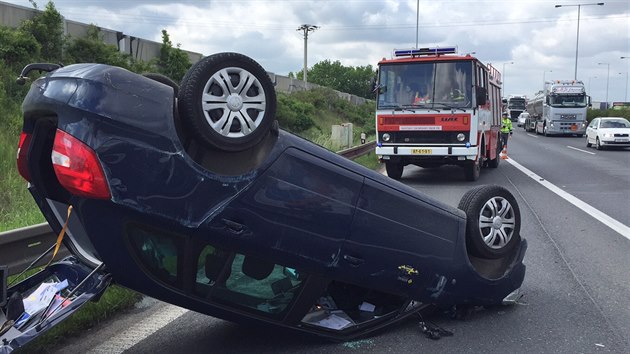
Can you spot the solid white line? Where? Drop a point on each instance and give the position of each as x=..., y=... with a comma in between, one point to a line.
x=588, y=152
x=532, y=135
x=617, y=226
x=140, y=331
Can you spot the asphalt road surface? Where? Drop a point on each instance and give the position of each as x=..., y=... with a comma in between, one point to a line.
x=575, y=208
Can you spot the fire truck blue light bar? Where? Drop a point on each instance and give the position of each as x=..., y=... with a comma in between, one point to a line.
x=424, y=51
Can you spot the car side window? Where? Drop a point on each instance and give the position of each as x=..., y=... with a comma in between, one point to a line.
x=158, y=252
x=246, y=281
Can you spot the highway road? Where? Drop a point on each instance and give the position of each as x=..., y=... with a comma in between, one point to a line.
x=575, y=207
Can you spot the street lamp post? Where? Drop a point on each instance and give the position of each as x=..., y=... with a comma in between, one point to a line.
x=544, y=72
x=626, y=95
x=589, y=83
x=306, y=29
x=607, y=80
x=503, y=76
x=577, y=40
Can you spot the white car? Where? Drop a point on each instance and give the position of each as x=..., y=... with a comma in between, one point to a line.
x=608, y=131
x=520, y=121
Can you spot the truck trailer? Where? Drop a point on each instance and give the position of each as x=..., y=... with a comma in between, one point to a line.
x=559, y=109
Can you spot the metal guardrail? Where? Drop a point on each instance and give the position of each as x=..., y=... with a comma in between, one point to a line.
x=19, y=247
x=357, y=151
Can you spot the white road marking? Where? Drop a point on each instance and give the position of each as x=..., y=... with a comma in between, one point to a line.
x=532, y=135
x=140, y=331
x=588, y=152
x=615, y=225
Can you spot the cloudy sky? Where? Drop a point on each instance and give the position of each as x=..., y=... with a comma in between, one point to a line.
x=525, y=39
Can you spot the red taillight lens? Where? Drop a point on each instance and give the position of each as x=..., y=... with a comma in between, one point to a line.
x=22, y=155
x=77, y=167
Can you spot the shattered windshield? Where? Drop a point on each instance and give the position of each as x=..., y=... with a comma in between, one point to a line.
x=428, y=85
x=575, y=100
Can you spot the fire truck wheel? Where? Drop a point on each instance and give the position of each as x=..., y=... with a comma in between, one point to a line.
x=494, y=163
x=228, y=101
x=472, y=170
x=394, y=169
x=493, y=221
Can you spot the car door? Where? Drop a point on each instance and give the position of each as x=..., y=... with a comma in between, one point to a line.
x=591, y=131
x=298, y=211
x=400, y=243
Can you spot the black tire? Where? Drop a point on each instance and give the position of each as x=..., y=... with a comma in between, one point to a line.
x=163, y=79
x=494, y=163
x=588, y=145
x=394, y=169
x=598, y=145
x=472, y=170
x=493, y=221
x=240, y=101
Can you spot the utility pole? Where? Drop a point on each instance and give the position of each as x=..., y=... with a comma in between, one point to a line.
x=306, y=29
x=417, y=21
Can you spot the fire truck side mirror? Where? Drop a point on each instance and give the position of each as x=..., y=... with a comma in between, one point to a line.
x=480, y=97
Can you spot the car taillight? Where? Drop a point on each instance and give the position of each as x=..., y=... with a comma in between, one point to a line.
x=77, y=167
x=22, y=155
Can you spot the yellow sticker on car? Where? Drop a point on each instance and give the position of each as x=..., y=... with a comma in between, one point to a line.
x=421, y=151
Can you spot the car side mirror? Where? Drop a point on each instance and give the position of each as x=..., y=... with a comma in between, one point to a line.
x=480, y=96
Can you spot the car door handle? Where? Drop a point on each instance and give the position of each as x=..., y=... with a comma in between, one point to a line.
x=355, y=261
x=233, y=226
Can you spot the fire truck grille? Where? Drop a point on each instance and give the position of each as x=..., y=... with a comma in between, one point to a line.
x=407, y=120
x=428, y=137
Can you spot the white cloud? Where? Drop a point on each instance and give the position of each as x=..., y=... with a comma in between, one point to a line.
x=536, y=36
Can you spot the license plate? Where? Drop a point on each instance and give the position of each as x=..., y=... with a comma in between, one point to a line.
x=621, y=140
x=421, y=151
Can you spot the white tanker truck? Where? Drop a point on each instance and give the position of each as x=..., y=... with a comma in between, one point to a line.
x=559, y=109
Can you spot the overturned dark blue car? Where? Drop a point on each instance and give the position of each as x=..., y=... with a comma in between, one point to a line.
x=191, y=194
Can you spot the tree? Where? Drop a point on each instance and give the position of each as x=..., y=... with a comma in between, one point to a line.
x=347, y=79
x=47, y=28
x=173, y=62
x=17, y=48
x=92, y=49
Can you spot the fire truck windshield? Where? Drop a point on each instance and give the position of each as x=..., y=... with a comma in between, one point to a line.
x=428, y=84
x=575, y=100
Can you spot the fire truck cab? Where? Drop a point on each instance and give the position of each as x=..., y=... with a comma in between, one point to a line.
x=437, y=108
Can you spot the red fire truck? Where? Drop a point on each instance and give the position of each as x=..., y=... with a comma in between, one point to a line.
x=437, y=108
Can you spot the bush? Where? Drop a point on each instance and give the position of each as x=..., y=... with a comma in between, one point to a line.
x=594, y=113
x=294, y=115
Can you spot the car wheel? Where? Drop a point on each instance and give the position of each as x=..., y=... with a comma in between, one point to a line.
x=545, y=131
x=588, y=143
x=598, y=145
x=472, y=170
x=228, y=100
x=394, y=169
x=493, y=221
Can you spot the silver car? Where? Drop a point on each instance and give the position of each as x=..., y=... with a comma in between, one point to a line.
x=520, y=122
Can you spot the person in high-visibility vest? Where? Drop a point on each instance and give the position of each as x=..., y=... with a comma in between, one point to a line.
x=506, y=128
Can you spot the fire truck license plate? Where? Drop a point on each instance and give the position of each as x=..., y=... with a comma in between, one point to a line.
x=421, y=151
